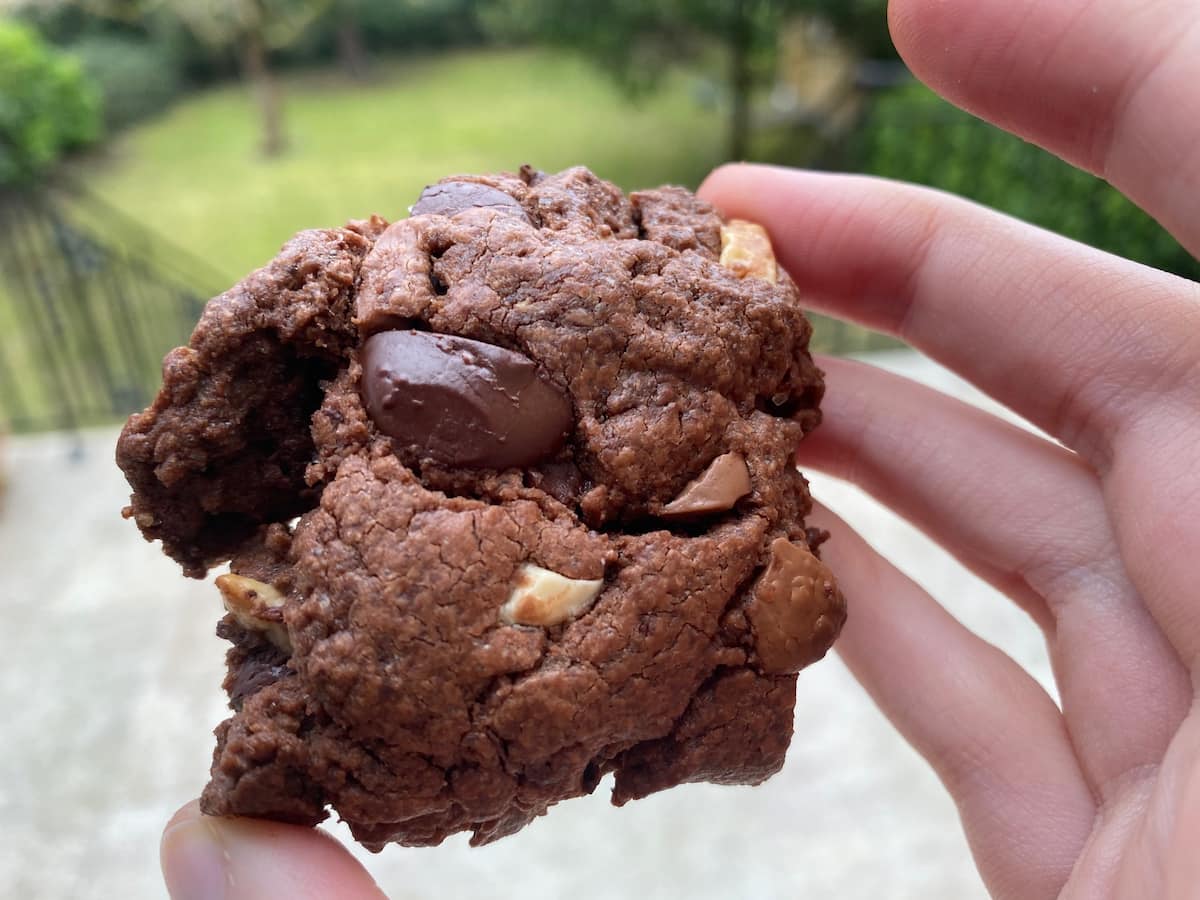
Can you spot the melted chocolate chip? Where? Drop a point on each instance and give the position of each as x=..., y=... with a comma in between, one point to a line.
x=250, y=678
x=561, y=480
x=717, y=489
x=795, y=608
x=449, y=197
x=462, y=402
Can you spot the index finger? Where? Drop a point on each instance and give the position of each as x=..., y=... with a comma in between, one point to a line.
x=1075, y=340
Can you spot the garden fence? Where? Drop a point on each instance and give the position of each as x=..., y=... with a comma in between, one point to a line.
x=89, y=303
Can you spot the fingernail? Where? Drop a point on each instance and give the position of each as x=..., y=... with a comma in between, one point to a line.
x=195, y=863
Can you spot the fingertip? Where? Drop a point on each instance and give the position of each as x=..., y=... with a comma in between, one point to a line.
x=186, y=813
x=720, y=175
x=974, y=52
x=206, y=856
x=716, y=185
x=930, y=35
x=193, y=861
x=908, y=21
x=730, y=187
x=967, y=50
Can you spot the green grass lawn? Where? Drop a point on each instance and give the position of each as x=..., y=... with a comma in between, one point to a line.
x=356, y=149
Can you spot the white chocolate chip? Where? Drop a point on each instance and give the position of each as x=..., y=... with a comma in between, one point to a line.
x=746, y=250
x=248, y=601
x=542, y=597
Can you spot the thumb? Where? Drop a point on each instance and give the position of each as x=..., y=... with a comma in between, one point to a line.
x=207, y=858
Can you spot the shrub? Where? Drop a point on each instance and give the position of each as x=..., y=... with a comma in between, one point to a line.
x=913, y=135
x=58, y=23
x=47, y=106
x=425, y=25
x=135, y=78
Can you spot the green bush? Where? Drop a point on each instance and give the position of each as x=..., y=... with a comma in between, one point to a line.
x=59, y=23
x=135, y=78
x=913, y=135
x=389, y=25
x=46, y=105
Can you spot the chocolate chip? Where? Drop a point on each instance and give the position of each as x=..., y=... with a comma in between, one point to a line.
x=462, y=402
x=449, y=197
x=722, y=484
x=250, y=678
x=795, y=608
x=561, y=480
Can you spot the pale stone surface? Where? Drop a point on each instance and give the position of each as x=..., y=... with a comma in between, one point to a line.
x=110, y=691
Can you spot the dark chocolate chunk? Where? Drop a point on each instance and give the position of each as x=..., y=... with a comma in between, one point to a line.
x=449, y=197
x=250, y=678
x=462, y=402
x=561, y=480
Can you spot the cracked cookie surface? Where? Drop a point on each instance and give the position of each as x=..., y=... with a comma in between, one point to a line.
x=476, y=616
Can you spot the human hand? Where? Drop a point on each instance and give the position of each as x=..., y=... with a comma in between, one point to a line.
x=1098, y=539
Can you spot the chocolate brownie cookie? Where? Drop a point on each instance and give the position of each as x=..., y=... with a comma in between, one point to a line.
x=508, y=495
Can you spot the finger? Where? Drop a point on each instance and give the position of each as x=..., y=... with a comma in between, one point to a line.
x=247, y=859
x=1106, y=84
x=1075, y=340
x=1029, y=517
x=1153, y=489
x=990, y=732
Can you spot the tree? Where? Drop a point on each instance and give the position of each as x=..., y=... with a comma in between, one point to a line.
x=351, y=49
x=252, y=28
x=633, y=41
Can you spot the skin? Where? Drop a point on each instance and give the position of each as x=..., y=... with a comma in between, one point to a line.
x=1096, y=537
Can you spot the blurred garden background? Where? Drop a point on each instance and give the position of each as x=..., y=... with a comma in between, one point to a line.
x=154, y=151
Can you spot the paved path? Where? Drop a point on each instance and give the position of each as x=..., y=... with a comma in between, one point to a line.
x=109, y=693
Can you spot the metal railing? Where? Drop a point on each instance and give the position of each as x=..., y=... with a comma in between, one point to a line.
x=89, y=303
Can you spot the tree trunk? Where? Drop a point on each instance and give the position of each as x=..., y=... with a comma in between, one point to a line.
x=266, y=90
x=351, y=51
x=739, y=81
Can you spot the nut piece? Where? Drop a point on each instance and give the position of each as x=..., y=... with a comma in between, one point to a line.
x=256, y=606
x=746, y=249
x=542, y=597
x=722, y=484
x=795, y=609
